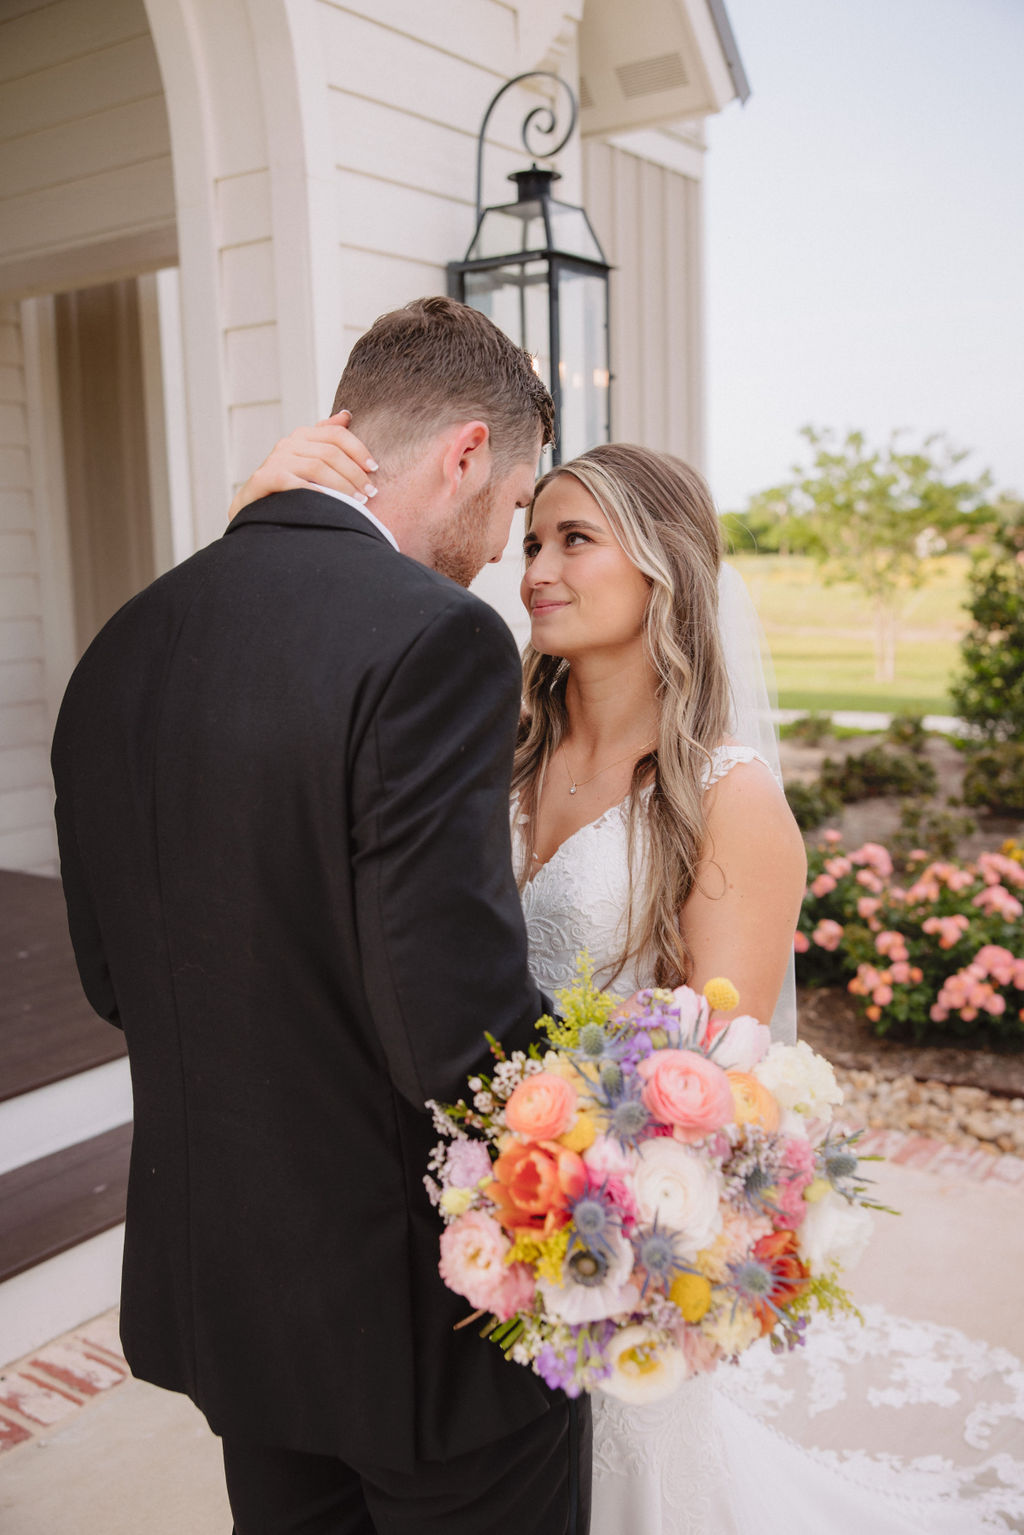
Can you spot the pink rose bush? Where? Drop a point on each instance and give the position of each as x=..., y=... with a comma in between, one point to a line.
x=623, y=1206
x=941, y=950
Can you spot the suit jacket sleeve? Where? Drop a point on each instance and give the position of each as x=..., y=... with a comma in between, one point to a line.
x=86, y=938
x=441, y=934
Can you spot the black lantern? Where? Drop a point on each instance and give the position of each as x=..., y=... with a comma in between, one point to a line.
x=535, y=267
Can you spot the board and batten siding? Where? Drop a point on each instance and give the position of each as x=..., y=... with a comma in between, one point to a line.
x=27, y=838
x=648, y=218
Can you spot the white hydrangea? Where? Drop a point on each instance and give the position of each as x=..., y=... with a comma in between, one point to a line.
x=800, y=1080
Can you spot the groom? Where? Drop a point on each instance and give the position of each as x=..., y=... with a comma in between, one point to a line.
x=282, y=800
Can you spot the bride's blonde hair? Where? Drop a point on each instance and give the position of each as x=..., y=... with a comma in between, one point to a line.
x=661, y=512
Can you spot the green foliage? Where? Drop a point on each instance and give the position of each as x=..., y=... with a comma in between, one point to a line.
x=907, y=730
x=877, y=772
x=876, y=517
x=926, y=825
x=752, y=532
x=812, y=805
x=994, y=777
x=810, y=729
x=989, y=693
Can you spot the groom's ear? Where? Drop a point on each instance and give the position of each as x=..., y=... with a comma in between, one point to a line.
x=467, y=462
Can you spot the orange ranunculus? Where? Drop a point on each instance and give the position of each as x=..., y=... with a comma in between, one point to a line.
x=534, y=1184
x=790, y=1276
x=542, y=1107
x=753, y=1102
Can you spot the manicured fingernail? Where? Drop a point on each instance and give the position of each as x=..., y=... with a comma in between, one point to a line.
x=357, y=497
x=371, y=490
x=372, y=464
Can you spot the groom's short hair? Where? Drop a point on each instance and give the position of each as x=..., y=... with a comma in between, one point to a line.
x=435, y=362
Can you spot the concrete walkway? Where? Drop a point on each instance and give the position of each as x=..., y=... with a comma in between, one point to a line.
x=89, y=1451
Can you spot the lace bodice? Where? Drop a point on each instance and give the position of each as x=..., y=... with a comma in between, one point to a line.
x=578, y=899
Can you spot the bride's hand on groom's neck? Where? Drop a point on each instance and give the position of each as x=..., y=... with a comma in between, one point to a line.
x=326, y=455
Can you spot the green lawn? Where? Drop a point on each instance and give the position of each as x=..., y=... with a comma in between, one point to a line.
x=821, y=637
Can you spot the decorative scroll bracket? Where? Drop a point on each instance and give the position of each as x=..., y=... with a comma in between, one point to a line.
x=531, y=122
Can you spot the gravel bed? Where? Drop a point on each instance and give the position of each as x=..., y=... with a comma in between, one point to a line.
x=964, y=1116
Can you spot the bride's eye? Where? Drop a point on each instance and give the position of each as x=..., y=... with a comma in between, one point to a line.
x=581, y=536
x=530, y=551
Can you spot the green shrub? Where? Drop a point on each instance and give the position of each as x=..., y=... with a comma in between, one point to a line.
x=907, y=730
x=995, y=777
x=931, y=953
x=809, y=729
x=878, y=772
x=989, y=694
x=926, y=825
x=811, y=804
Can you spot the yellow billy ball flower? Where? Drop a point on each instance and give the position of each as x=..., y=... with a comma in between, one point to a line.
x=721, y=995
x=581, y=1134
x=816, y=1190
x=692, y=1294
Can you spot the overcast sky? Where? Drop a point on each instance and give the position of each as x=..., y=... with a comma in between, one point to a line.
x=865, y=239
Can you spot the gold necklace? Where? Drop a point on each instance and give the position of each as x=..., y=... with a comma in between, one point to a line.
x=574, y=785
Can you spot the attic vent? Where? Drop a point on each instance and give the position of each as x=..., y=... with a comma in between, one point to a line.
x=586, y=100
x=647, y=77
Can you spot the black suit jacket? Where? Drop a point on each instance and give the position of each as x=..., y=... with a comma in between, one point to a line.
x=282, y=776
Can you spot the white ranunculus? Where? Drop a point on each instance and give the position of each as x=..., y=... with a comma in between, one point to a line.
x=680, y=1190
x=834, y=1231
x=616, y=1295
x=800, y=1079
x=643, y=1367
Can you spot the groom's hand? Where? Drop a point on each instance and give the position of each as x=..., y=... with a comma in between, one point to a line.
x=326, y=455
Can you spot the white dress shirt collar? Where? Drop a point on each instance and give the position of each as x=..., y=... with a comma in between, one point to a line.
x=351, y=501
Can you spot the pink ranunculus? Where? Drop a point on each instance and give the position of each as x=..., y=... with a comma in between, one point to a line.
x=745, y=1041
x=687, y=1091
x=467, y=1164
x=801, y=943
x=823, y=885
x=833, y=837
x=473, y=1252
x=542, y=1107
x=867, y=906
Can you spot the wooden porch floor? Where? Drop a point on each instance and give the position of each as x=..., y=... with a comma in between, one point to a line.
x=47, y=1029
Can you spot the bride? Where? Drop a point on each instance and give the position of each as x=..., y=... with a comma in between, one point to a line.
x=650, y=828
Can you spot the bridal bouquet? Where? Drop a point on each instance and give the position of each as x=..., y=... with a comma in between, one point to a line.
x=648, y=1193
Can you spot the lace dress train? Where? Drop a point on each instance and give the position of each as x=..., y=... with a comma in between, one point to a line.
x=896, y=1427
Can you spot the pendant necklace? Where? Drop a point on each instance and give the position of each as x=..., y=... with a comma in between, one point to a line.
x=574, y=785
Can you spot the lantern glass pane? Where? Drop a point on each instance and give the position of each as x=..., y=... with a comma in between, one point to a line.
x=515, y=297
x=571, y=234
x=503, y=231
x=583, y=369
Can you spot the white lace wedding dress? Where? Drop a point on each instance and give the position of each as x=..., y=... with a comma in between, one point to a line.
x=892, y=1427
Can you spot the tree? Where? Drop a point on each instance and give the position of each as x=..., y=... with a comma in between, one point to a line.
x=877, y=517
x=989, y=693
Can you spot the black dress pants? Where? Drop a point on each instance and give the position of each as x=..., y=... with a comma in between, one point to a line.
x=533, y=1482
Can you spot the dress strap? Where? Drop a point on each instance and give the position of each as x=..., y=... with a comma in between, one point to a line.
x=725, y=758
